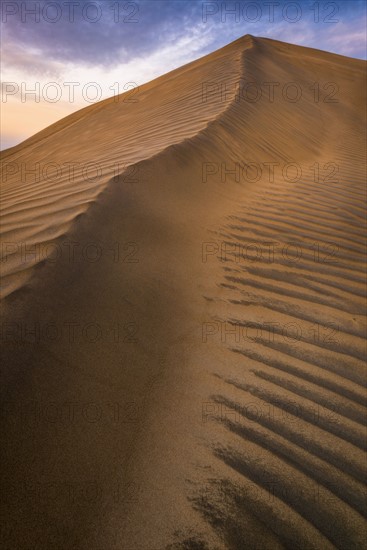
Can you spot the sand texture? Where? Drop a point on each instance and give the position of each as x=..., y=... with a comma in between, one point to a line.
x=183, y=335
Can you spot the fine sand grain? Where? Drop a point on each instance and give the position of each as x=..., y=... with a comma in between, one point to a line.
x=183, y=335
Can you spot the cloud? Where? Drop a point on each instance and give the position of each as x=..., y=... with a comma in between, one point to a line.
x=116, y=38
x=350, y=39
x=134, y=28
x=28, y=61
x=166, y=34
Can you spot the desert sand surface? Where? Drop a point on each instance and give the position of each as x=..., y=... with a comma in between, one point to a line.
x=183, y=335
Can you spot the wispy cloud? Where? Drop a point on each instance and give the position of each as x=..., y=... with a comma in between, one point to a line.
x=138, y=41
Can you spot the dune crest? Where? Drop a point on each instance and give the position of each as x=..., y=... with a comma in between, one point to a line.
x=52, y=178
x=214, y=351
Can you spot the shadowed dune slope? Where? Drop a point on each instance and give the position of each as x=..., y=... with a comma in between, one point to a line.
x=184, y=332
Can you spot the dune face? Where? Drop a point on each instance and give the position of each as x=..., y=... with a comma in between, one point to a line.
x=183, y=324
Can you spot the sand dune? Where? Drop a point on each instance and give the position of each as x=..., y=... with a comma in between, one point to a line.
x=183, y=315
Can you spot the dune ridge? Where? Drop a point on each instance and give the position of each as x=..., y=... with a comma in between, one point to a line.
x=47, y=206
x=246, y=372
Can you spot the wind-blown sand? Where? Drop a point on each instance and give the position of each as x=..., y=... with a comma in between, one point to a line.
x=228, y=409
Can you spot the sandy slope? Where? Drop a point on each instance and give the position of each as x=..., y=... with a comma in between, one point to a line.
x=228, y=410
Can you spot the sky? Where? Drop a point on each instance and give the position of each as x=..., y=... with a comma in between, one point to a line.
x=60, y=56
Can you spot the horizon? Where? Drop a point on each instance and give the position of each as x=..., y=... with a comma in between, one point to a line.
x=56, y=69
